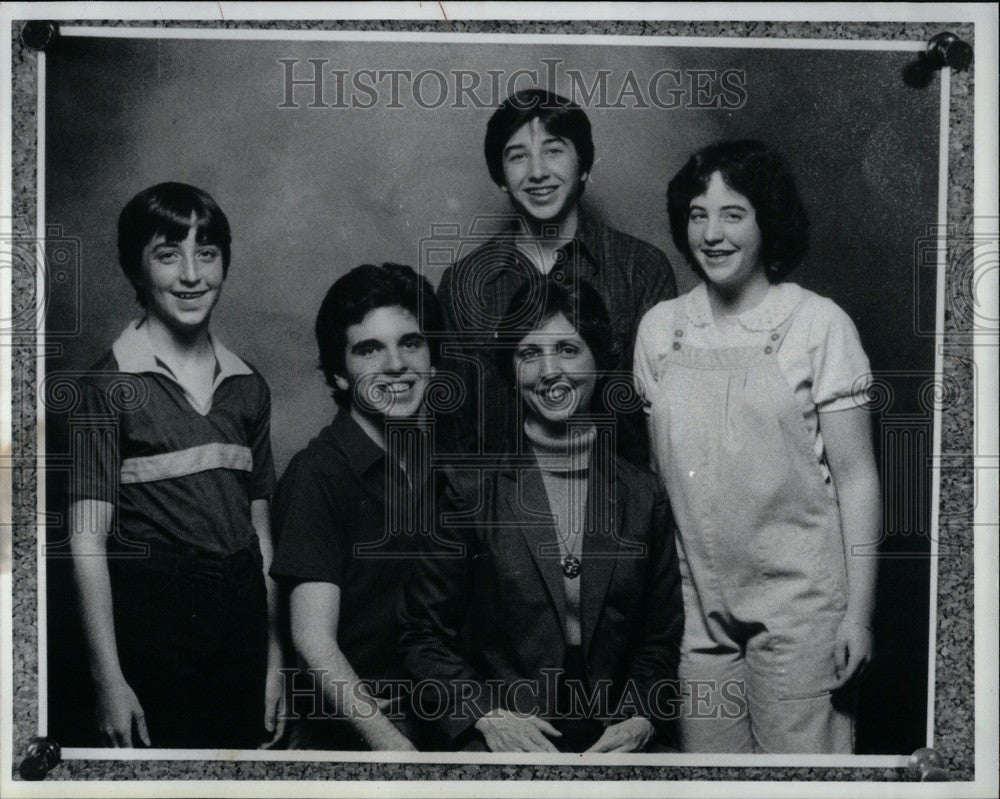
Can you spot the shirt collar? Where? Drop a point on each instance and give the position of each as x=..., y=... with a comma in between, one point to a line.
x=134, y=353
x=590, y=233
x=769, y=314
x=357, y=446
x=587, y=239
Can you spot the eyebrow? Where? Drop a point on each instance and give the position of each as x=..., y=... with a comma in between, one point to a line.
x=730, y=207
x=575, y=340
x=179, y=242
x=546, y=140
x=368, y=342
x=412, y=337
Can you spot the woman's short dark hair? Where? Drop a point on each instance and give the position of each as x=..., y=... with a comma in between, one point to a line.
x=761, y=175
x=537, y=301
x=559, y=116
x=354, y=295
x=166, y=210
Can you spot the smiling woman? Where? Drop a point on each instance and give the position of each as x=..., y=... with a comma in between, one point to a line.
x=725, y=241
x=556, y=373
x=756, y=392
x=567, y=582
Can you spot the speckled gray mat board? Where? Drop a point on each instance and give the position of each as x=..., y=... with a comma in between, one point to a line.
x=954, y=699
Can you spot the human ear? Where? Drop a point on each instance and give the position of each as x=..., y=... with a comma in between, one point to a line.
x=341, y=382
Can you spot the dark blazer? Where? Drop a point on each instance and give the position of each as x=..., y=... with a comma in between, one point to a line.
x=493, y=614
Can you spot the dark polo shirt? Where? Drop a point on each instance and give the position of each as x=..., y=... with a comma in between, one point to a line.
x=344, y=514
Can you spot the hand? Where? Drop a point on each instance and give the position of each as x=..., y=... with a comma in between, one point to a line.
x=401, y=744
x=274, y=705
x=506, y=731
x=852, y=651
x=630, y=735
x=118, y=709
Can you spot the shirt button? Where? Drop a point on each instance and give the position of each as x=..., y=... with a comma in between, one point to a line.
x=775, y=336
x=679, y=333
x=690, y=474
x=768, y=349
x=677, y=345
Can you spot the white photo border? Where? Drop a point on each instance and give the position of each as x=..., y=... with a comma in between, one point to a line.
x=860, y=761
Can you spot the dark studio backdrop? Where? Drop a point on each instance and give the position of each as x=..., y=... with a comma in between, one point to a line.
x=313, y=191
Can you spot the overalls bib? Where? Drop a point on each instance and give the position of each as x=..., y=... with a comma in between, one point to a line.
x=760, y=548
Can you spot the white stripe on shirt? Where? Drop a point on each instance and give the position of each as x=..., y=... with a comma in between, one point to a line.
x=186, y=461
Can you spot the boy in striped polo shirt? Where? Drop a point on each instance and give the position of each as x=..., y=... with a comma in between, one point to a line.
x=170, y=513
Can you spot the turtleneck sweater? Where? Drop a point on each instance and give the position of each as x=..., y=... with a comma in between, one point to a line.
x=564, y=462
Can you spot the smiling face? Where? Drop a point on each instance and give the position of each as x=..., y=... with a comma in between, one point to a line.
x=181, y=281
x=387, y=363
x=541, y=173
x=556, y=372
x=724, y=237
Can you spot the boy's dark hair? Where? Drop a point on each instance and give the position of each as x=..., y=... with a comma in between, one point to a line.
x=166, y=210
x=354, y=295
x=559, y=116
x=537, y=301
x=760, y=174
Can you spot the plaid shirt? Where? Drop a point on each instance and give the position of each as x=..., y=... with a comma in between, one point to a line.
x=630, y=275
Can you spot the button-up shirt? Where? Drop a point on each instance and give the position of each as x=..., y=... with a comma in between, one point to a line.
x=346, y=514
x=630, y=275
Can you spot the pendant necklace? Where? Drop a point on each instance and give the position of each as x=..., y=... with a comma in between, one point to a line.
x=571, y=566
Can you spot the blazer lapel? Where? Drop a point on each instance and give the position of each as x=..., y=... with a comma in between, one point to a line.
x=528, y=505
x=605, y=520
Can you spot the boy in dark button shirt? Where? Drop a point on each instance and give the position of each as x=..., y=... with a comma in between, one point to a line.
x=345, y=504
x=539, y=150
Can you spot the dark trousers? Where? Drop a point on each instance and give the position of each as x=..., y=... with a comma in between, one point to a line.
x=192, y=640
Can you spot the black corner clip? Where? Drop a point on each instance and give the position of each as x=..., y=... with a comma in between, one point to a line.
x=926, y=765
x=44, y=754
x=944, y=49
x=39, y=35
x=947, y=50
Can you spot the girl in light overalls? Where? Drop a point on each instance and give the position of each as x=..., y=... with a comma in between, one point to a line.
x=755, y=390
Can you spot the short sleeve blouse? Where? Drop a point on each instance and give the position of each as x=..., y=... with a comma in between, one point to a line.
x=821, y=357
